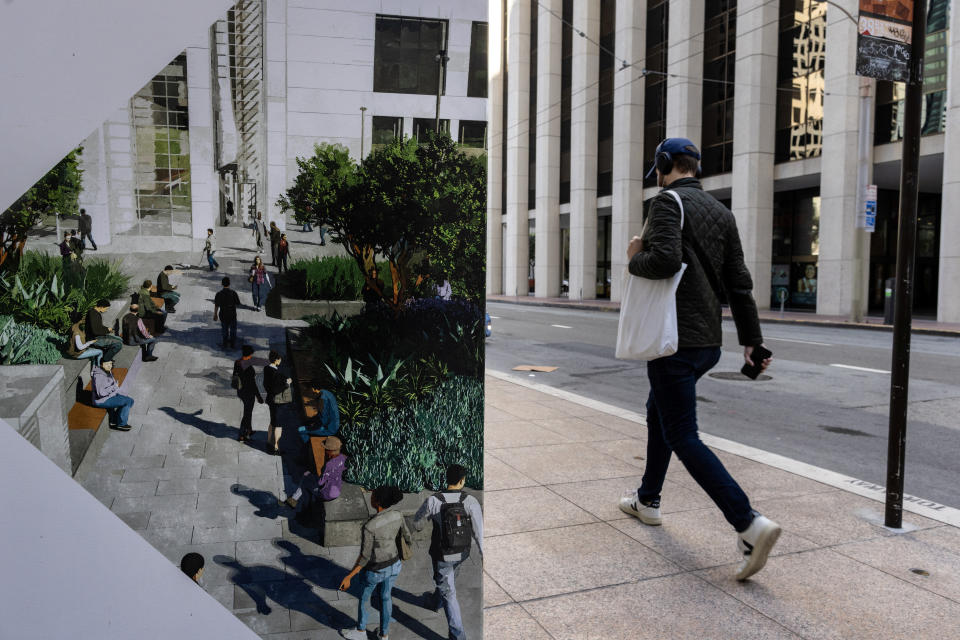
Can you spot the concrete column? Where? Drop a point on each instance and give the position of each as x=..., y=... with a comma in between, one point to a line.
x=204, y=183
x=583, y=150
x=628, y=170
x=549, y=58
x=837, y=272
x=685, y=60
x=119, y=144
x=516, y=260
x=754, y=123
x=95, y=196
x=275, y=85
x=948, y=296
x=495, y=137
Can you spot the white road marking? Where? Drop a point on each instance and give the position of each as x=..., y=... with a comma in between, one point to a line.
x=561, y=326
x=494, y=317
x=850, y=366
x=822, y=344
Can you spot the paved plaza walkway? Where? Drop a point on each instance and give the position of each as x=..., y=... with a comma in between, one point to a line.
x=184, y=482
x=564, y=563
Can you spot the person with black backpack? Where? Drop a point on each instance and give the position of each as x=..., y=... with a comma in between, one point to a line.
x=244, y=380
x=457, y=521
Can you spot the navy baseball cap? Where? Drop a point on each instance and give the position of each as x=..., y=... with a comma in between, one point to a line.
x=674, y=146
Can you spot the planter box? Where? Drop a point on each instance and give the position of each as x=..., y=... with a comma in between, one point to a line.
x=285, y=308
x=35, y=404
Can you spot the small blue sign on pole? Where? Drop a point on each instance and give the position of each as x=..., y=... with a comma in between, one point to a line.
x=870, y=209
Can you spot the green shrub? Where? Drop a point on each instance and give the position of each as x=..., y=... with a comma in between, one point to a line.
x=332, y=278
x=26, y=344
x=412, y=445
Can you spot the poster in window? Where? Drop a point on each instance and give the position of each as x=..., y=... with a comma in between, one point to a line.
x=804, y=283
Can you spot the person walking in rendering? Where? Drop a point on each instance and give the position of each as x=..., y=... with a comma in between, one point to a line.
x=106, y=395
x=244, y=380
x=166, y=290
x=283, y=252
x=135, y=333
x=225, y=305
x=274, y=242
x=314, y=491
x=457, y=519
x=209, y=248
x=379, y=561
x=278, y=394
x=85, y=225
x=709, y=244
x=259, y=230
x=260, y=282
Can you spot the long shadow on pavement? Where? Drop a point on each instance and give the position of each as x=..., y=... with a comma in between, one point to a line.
x=215, y=429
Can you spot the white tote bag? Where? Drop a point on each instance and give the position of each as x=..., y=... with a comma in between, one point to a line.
x=648, y=313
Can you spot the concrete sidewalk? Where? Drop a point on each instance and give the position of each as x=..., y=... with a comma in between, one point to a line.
x=918, y=325
x=564, y=563
x=183, y=481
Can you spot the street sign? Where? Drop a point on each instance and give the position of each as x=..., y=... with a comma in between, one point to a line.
x=884, y=39
x=867, y=219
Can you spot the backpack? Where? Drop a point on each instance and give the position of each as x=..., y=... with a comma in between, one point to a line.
x=456, y=525
x=235, y=378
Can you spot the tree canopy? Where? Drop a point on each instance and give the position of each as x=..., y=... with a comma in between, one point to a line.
x=56, y=192
x=422, y=207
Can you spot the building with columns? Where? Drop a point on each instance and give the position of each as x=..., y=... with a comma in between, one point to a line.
x=226, y=119
x=582, y=91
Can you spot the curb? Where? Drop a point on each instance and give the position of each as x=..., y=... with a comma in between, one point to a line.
x=913, y=504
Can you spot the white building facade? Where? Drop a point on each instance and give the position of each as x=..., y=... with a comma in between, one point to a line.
x=225, y=121
x=582, y=91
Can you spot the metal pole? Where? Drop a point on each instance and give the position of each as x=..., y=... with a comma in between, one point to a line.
x=903, y=298
x=864, y=160
x=362, y=111
x=442, y=62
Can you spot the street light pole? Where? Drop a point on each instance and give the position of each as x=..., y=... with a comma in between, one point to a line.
x=362, y=111
x=441, y=59
x=906, y=250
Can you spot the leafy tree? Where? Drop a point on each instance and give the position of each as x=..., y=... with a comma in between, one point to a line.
x=57, y=191
x=419, y=206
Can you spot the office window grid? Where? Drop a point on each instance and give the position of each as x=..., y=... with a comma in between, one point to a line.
x=566, y=86
x=800, y=79
x=719, y=60
x=405, y=54
x=532, y=114
x=608, y=34
x=655, y=84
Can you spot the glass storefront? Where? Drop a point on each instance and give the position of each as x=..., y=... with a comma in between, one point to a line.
x=162, y=169
x=796, y=247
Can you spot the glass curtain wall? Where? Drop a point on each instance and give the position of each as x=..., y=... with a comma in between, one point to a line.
x=719, y=60
x=608, y=43
x=162, y=170
x=655, y=84
x=532, y=115
x=566, y=78
x=890, y=95
x=477, y=80
x=800, y=82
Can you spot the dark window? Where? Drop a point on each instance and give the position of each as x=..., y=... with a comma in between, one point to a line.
x=477, y=80
x=473, y=133
x=423, y=127
x=719, y=51
x=608, y=32
x=532, y=115
x=386, y=128
x=566, y=74
x=405, y=54
x=655, y=83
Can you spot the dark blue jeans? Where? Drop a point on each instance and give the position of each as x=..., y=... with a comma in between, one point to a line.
x=672, y=427
x=228, y=330
x=118, y=407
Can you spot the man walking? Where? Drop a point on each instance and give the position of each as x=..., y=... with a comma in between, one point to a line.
x=283, y=252
x=166, y=290
x=274, y=241
x=709, y=244
x=456, y=519
x=244, y=380
x=209, y=248
x=86, y=228
x=225, y=305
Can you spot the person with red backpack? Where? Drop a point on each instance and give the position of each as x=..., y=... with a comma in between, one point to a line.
x=457, y=520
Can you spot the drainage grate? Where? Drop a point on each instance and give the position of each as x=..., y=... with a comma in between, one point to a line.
x=736, y=376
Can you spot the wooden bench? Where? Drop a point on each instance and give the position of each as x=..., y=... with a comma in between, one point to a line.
x=84, y=415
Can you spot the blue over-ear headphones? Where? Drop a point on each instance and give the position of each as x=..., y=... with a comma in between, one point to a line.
x=670, y=147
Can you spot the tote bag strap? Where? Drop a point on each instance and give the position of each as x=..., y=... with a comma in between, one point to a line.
x=704, y=262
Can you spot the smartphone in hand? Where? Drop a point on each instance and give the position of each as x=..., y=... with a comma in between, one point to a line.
x=760, y=353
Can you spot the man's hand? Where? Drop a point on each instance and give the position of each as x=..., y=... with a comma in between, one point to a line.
x=748, y=352
x=214, y=316
x=345, y=583
x=635, y=247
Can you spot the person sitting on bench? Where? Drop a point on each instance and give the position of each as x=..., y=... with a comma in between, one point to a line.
x=79, y=348
x=135, y=333
x=166, y=290
x=103, y=338
x=106, y=395
x=148, y=308
x=315, y=491
x=327, y=420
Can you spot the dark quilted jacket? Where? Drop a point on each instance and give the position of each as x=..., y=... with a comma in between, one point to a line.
x=698, y=308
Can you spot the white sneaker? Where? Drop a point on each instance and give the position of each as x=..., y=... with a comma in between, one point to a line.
x=755, y=544
x=647, y=513
x=353, y=634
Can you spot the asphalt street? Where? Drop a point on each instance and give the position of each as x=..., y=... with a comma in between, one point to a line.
x=826, y=401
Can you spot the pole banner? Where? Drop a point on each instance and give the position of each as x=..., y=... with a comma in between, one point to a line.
x=884, y=39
